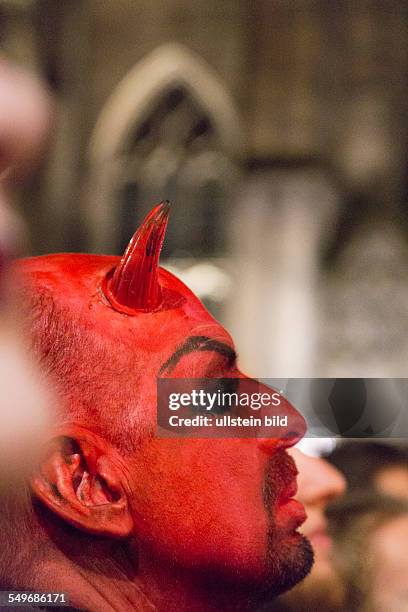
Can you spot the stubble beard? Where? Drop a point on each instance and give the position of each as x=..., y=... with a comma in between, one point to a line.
x=289, y=555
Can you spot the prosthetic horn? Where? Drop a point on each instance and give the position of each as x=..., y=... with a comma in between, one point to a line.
x=133, y=286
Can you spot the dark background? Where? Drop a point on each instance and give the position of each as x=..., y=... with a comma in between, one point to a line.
x=277, y=128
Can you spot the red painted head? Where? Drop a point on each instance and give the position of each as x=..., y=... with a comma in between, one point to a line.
x=104, y=328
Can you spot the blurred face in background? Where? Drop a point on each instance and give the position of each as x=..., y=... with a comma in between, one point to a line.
x=388, y=558
x=318, y=484
x=393, y=481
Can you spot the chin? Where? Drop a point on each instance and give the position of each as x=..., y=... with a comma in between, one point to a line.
x=322, y=589
x=287, y=562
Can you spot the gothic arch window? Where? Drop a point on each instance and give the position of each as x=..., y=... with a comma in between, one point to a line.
x=169, y=131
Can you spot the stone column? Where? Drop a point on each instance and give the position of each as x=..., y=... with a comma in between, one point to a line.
x=281, y=220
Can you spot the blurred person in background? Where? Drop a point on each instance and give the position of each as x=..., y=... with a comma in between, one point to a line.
x=377, y=466
x=319, y=483
x=370, y=533
x=24, y=117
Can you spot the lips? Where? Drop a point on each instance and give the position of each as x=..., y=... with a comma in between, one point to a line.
x=288, y=493
x=290, y=515
x=280, y=488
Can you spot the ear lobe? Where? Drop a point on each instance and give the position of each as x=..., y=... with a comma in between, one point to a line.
x=81, y=479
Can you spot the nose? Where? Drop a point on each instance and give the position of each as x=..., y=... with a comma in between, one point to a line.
x=280, y=437
x=318, y=480
x=332, y=482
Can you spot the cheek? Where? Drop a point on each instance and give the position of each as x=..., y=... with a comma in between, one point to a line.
x=195, y=503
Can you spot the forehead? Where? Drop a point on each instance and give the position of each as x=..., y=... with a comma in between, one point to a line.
x=75, y=281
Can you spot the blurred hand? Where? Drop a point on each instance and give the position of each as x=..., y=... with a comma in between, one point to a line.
x=25, y=109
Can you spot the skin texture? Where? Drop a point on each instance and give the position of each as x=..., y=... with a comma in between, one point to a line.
x=203, y=524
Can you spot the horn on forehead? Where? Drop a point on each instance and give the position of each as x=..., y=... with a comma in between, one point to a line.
x=134, y=284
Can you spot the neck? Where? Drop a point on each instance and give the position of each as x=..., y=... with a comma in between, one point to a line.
x=108, y=583
x=103, y=574
x=173, y=589
x=95, y=575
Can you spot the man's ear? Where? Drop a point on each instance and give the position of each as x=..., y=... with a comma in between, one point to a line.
x=82, y=479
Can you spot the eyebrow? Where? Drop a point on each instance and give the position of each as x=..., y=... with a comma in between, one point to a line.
x=199, y=343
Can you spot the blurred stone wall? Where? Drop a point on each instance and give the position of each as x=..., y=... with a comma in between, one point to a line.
x=319, y=91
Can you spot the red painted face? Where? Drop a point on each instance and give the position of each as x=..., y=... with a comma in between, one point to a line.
x=221, y=506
